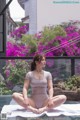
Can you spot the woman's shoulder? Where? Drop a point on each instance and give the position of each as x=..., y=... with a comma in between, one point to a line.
x=28, y=75
x=47, y=72
x=48, y=75
x=29, y=72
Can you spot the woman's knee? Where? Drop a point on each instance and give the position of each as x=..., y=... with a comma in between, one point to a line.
x=14, y=95
x=63, y=98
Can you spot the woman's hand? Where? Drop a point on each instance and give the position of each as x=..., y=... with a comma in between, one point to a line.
x=50, y=103
x=26, y=101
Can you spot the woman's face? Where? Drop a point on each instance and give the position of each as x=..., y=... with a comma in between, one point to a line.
x=42, y=63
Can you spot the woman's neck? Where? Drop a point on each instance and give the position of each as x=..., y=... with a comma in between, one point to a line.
x=39, y=70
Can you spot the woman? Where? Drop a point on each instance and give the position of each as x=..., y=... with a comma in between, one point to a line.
x=41, y=98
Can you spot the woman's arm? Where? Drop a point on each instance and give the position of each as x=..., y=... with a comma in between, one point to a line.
x=25, y=88
x=26, y=100
x=50, y=88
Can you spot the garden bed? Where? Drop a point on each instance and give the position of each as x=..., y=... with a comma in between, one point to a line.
x=71, y=95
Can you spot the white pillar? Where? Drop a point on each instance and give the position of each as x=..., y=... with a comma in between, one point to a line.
x=32, y=16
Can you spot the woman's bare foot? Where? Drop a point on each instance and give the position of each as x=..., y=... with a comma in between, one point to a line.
x=34, y=110
x=41, y=110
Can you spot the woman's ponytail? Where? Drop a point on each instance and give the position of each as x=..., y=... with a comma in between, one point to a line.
x=33, y=66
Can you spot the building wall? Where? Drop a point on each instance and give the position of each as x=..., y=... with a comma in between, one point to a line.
x=33, y=17
x=30, y=7
x=10, y=25
x=54, y=13
x=26, y=7
x=47, y=13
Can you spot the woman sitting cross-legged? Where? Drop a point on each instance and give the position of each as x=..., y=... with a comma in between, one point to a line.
x=41, y=98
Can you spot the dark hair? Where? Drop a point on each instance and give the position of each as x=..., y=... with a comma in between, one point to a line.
x=38, y=58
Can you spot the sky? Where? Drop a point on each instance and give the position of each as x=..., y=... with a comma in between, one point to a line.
x=16, y=11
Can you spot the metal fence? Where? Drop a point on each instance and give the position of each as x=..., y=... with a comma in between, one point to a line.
x=60, y=67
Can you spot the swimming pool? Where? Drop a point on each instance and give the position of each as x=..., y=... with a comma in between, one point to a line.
x=4, y=100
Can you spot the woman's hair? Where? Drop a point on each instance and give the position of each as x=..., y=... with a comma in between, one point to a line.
x=37, y=58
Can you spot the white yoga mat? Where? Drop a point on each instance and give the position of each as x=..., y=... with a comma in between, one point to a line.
x=64, y=109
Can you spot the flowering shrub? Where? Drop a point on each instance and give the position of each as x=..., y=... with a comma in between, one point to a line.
x=15, y=71
x=51, y=33
x=18, y=32
x=15, y=49
x=4, y=89
x=55, y=41
x=72, y=83
x=30, y=41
